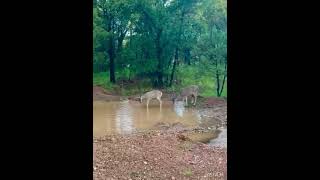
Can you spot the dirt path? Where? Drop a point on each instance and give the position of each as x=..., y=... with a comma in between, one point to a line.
x=163, y=154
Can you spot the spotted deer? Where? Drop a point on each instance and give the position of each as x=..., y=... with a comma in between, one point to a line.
x=154, y=94
x=192, y=91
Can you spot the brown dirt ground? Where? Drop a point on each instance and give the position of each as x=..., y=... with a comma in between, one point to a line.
x=101, y=94
x=157, y=155
x=100, y=90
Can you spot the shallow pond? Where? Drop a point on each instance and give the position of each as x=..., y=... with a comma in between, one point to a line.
x=129, y=116
x=125, y=117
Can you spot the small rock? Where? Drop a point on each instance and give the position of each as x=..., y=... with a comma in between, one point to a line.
x=145, y=162
x=173, y=178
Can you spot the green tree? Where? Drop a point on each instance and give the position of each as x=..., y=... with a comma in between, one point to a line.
x=213, y=43
x=116, y=17
x=151, y=39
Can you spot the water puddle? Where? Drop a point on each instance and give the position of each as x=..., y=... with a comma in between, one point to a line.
x=125, y=117
x=128, y=116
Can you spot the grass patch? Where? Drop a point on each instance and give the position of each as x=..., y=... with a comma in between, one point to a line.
x=102, y=79
x=191, y=76
x=187, y=172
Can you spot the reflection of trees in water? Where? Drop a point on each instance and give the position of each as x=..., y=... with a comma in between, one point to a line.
x=179, y=108
x=103, y=118
x=185, y=113
x=130, y=117
x=153, y=114
x=124, y=122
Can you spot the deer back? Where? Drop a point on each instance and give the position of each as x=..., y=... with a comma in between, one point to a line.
x=191, y=90
x=152, y=94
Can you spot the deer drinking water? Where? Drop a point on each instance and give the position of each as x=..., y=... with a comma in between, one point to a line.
x=154, y=94
x=192, y=91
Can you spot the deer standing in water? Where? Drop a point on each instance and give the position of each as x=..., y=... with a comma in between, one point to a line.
x=192, y=91
x=154, y=94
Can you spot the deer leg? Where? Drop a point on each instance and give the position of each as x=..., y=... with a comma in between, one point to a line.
x=187, y=100
x=148, y=103
x=195, y=99
x=160, y=101
x=192, y=99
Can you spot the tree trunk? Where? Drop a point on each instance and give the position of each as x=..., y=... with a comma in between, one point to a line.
x=187, y=56
x=217, y=79
x=112, y=64
x=218, y=83
x=142, y=56
x=174, y=66
x=120, y=40
x=159, y=54
x=176, y=56
x=224, y=79
x=222, y=86
x=111, y=52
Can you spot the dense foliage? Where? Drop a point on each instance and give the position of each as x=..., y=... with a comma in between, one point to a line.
x=166, y=43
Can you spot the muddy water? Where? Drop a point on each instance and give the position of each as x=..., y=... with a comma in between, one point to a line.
x=129, y=116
